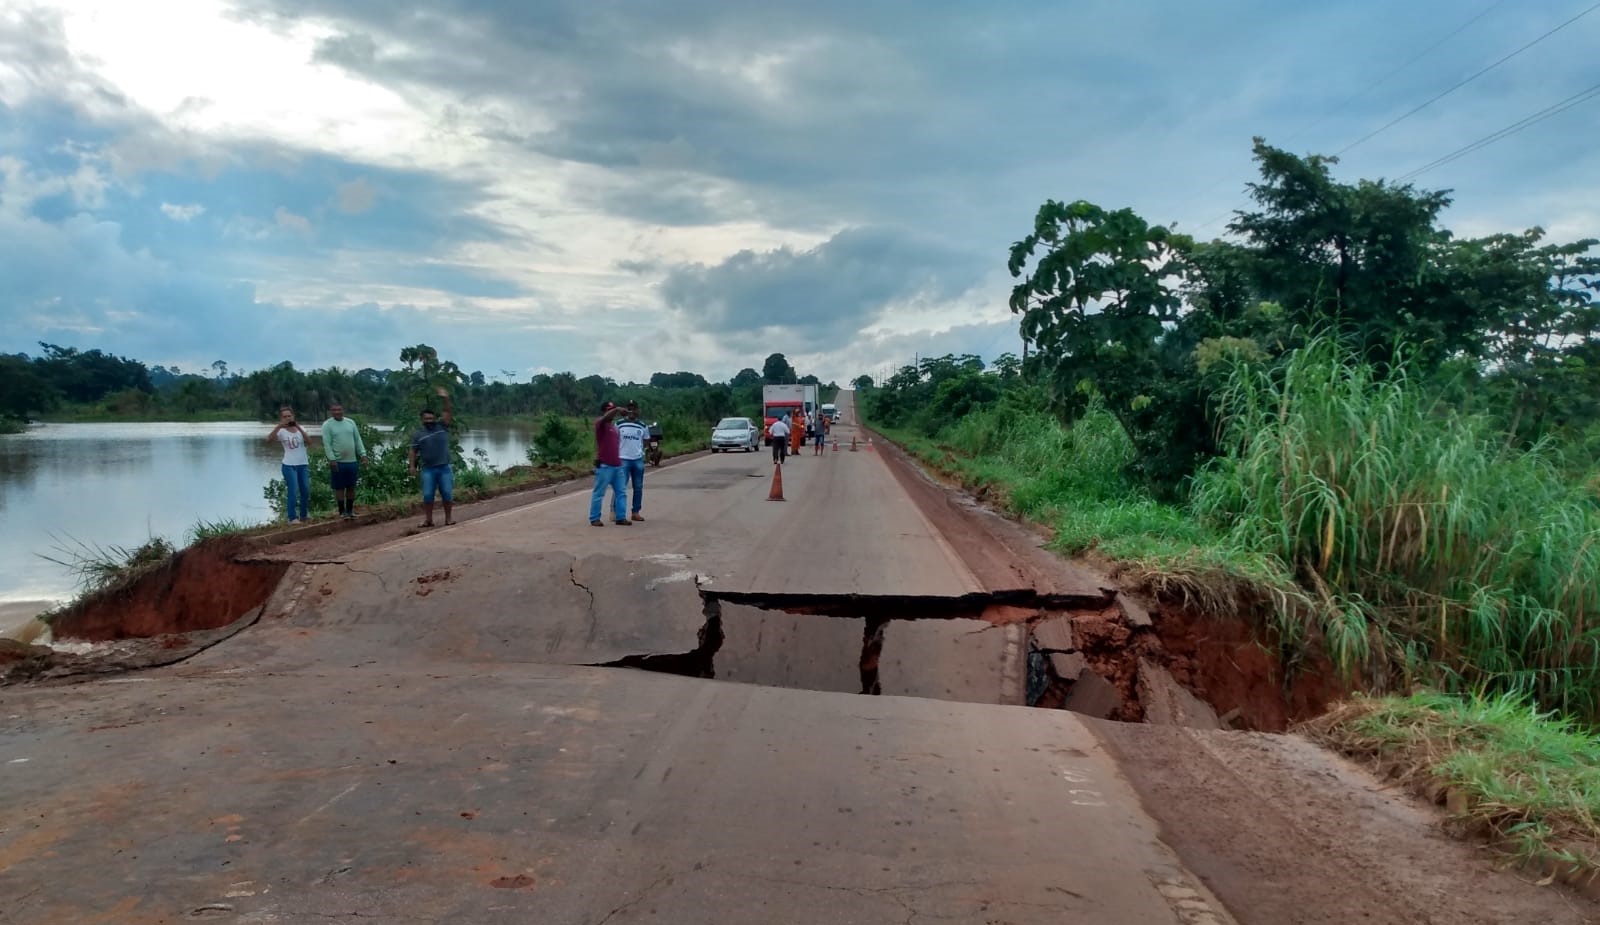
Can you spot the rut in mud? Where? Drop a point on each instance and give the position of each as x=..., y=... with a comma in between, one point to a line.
x=1119, y=659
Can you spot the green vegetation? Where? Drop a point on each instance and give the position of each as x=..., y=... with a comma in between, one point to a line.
x=203, y=530
x=1530, y=780
x=1436, y=552
x=106, y=568
x=1151, y=321
x=559, y=440
x=67, y=384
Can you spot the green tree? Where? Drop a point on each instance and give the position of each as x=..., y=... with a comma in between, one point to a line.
x=1097, y=307
x=745, y=377
x=863, y=381
x=1542, y=302
x=777, y=371
x=678, y=380
x=1359, y=257
x=22, y=390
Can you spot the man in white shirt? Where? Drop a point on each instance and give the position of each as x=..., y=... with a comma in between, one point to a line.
x=778, y=436
x=632, y=433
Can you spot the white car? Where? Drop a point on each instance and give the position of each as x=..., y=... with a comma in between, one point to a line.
x=735, y=434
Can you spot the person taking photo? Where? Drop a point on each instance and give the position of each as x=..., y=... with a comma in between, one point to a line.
x=296, y=465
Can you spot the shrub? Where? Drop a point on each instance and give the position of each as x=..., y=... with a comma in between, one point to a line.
x=558, y=441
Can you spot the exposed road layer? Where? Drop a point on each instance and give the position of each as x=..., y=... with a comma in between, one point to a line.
x=415, y=732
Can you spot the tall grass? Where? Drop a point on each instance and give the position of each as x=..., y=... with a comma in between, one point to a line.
x=203, y=529
x=1438, y=553
x=1074, y=481
x=103, y=568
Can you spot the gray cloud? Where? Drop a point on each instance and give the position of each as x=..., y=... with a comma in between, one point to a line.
x=841, y=285
x=932, y=131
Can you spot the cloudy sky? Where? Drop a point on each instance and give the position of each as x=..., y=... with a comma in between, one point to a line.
x=535, y=185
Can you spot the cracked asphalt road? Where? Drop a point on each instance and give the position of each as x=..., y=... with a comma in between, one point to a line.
x=395, y=749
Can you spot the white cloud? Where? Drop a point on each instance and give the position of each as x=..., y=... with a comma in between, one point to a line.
x=185, y=213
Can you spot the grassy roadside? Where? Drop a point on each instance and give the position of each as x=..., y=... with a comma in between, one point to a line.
x=1014, y=461
x=1526, y=777
x=1528, y=781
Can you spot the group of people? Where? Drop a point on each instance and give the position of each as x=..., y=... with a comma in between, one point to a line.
x=620, y=438
x=785, y=433
x=429, y=459
x=618, y=463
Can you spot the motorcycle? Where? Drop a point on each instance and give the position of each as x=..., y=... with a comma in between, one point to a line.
x=652, y=445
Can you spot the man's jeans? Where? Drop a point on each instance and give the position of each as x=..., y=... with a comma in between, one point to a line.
x=615, y=478
x=633, y=470
x=297, y=479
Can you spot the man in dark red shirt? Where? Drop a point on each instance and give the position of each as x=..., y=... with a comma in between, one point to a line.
x=608, y=470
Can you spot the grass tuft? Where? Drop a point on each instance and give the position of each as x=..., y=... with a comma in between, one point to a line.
x=104, y=568
x=203, y=530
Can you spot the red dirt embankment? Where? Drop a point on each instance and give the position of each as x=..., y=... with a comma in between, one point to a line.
x=200, y=588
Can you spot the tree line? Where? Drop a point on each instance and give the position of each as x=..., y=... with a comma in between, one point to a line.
x=1149, y=321
x=68, y=382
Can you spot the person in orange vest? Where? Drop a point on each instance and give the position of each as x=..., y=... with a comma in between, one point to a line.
x=797, y=435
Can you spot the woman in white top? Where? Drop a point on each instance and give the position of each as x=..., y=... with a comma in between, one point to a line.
x=296, y=465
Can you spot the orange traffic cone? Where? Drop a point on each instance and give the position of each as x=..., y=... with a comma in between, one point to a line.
x=852, y=444
x=836, y=444
x=869, y=446
x=777, y=484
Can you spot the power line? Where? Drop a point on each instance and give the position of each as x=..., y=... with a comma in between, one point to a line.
x=1509, y=130
x=1462, y=83
x=1368, y=89
x=1554, y=109
x=1394, y=73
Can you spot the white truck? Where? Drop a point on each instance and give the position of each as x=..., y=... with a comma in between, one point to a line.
x=831, y=412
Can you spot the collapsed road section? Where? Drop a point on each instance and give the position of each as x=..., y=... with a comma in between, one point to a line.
x=1112, y=658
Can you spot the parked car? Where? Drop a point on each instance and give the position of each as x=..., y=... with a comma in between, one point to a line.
x=735, y=434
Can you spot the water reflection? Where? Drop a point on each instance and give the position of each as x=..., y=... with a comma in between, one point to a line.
x=119, y=484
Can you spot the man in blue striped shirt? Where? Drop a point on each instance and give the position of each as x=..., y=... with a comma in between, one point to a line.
x=633, y=434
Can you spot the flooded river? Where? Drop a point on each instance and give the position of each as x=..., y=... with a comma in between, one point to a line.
x=119, y=484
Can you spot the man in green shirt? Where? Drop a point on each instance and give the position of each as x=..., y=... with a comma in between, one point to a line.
x=341, y=442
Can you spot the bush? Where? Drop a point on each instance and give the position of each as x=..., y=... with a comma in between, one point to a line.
x=558, y=441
